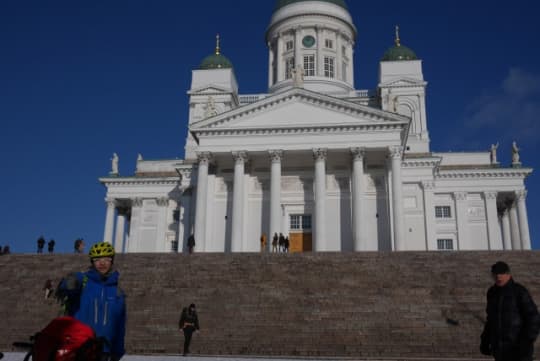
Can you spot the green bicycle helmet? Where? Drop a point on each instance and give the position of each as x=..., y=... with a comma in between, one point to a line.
x=101, y=249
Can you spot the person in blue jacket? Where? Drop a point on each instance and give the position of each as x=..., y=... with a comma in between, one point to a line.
x=94, y=298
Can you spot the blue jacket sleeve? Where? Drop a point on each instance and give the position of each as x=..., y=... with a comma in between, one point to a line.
x=118, y=348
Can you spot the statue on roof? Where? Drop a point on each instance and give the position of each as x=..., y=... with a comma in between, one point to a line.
x=114, y=164
x=298, y=76
x=493, y=153
x=515, y=155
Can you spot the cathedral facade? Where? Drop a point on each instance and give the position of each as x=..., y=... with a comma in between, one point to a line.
x=329, y=166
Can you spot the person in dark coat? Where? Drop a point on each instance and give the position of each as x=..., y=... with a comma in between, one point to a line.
x=281, y=242
x=50, y=245
x=40, y=244
x=189, y=323
x=513, y=322
x=191, y=243
x=275, y=242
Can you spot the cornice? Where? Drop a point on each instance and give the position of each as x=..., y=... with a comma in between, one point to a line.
x=334, y=128
x=483, y=173
x=173, y=181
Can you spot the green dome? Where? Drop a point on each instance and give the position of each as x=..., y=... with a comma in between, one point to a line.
x=283, y=3
x=399, y=52
x=215, y=61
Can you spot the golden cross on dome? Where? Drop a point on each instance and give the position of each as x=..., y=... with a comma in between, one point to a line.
x=397, y=36
x=217, y=45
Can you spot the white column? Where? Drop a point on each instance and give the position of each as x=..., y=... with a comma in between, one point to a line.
x=461, y=220
x=359, y=218
x=200, y=205
x=320, y=199
x=120, y=226
x=109, y=221
x=270, y=64
x=523, y=220
x=238, y=201
x=162, y=243
x=279, y=59
x=275, y=195
x=397, y=198
x=339, y=57
x=319, y=45
x=514, y=227
x=297, y=46
x=494, y=235
x=429, y=215
x=507, y=236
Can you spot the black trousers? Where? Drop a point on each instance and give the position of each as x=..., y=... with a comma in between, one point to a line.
x=188, y=332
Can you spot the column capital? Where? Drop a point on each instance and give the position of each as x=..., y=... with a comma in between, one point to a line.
x=136, y=202
x=395, y=152
x=320, y=153
x=275, y=155
x=358, y=153
x=240, y=156
x=162, y=201
x=204, y=157
x=460, y=196
x=428, y=186
x=111, y=202
x=521, y=195
x=490, y=195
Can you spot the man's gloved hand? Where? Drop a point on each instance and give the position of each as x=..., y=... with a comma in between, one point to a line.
x=485, y=349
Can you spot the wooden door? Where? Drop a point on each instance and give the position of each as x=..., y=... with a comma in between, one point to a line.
x=300, y=242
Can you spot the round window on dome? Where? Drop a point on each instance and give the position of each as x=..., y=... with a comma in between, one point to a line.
x=308, y=41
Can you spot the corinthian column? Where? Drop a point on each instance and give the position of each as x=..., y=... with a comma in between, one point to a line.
x=109, y=220
x=120, y=225
x=238, y=201
x=275, y=194
x=320, y=199
x=397, y=198
x=523, y=220
x=494, y=233
x=507, y=236
x=200, y=206
x=514, y=227
x=359, y=225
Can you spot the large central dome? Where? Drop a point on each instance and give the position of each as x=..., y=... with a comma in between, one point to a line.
x=282, y=3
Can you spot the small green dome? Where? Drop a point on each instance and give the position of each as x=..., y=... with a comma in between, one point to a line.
x=215, y=61
x=283, y=3
x=399, y=52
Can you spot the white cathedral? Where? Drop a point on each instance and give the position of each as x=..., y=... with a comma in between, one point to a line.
x=331, y=167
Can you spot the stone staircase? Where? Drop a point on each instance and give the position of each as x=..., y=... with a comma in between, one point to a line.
x=399, y=306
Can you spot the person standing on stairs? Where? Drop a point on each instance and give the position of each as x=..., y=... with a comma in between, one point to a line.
x=189, y=323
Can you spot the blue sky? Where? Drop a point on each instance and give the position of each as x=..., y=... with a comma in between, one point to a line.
x=80, y=80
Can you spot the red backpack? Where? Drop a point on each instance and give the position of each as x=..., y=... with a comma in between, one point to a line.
x=67, y=339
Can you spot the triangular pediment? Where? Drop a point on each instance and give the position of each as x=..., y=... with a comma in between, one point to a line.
x=297, y=108
x=403, y=82
x=209, y=90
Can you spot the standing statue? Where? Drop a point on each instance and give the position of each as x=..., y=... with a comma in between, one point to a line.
x=515, y=154
x=139, y=157
x=493, y=153
x=114, y=164
x=298, y=76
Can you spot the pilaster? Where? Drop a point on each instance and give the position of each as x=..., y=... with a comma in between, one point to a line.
x=238, y=201
x=396, y=154
x=494, y=234
x=319, y=155
x=460, y=199
x=523, y=220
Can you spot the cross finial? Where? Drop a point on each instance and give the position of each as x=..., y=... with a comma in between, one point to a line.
x=217, y=45
x=397, y=41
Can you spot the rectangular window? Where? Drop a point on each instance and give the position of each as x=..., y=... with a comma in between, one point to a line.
x=289, y=45
x=328, y=67
x=329, y=44
x=174, y=246
x=300, y=222
x=309, y=65
x=344, y=51
x=445, y=244
x=295, y=221
x=344, y=71
x=443, y=212
x=176, y=215
x=289, y=66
